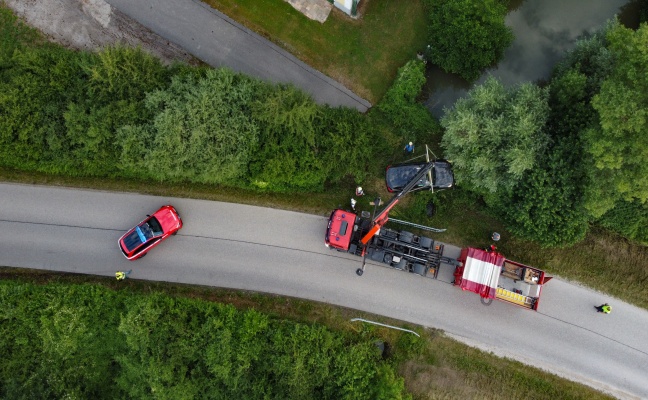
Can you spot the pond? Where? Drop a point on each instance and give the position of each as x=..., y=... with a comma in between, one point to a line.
x=544, y=31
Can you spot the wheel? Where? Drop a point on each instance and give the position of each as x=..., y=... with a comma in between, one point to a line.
x=486, y=302
x=142, y=256
x=359, y=271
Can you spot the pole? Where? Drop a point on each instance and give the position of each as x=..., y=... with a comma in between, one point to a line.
x=360, y=270
x=385, y=325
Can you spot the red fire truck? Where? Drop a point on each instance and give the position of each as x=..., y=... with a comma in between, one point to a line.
x=492, y=276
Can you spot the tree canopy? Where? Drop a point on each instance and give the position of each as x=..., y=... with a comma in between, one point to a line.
x=618, y=144
x=494, y=135
x=466, y=36
x=87, y=341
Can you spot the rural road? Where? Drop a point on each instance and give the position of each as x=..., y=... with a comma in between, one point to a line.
x=274, y=251
x=220, y=41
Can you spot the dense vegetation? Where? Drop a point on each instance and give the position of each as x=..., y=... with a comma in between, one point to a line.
x=122, y=113
x=134, y=339
x=551, y=161
x=87, y=341
x=467, y=36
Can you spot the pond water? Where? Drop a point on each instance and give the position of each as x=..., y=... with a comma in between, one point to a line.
x=544, y=31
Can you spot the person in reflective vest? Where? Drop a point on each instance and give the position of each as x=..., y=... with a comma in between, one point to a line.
x=604, y=308
x=120, y=275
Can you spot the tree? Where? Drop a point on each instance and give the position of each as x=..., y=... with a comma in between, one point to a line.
x=618, y=144
x=201, y=130
x=494, y=135
x=467, y=36
x=399, y=104
x=546, y=206
x=349, y=142
x=288, y=158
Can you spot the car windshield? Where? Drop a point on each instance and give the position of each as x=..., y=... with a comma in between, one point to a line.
x=149, y=229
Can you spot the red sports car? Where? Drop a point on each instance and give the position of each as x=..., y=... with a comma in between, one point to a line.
x=150, y=232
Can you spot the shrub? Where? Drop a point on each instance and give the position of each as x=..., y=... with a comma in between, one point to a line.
x=399, y=105
x=467, y=36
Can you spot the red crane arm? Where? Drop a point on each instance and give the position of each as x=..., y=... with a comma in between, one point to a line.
x=382, y=217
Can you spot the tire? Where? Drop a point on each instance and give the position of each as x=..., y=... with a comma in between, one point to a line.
x=142, y=256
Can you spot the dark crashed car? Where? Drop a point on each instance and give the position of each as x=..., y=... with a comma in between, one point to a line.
x=397, y=176
x=149, y=233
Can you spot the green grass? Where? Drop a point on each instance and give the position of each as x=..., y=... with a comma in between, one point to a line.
x=362, y=54
x=434, y=367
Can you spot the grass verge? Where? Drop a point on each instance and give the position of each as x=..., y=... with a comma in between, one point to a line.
x=362, y=54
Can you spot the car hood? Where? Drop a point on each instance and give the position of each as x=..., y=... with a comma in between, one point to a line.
x=167, y=218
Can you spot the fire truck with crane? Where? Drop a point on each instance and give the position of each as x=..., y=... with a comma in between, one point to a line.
x=348, y=232
x=482, y=271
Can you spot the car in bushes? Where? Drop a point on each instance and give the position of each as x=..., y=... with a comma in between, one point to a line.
x=137, y=242
x=397, y=176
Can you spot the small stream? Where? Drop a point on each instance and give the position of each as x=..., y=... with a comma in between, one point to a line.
x=544, y=31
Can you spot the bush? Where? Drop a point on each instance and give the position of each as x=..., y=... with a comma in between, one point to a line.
x=86, y=341
x=201, y=131
x=349, y=142
x=34, y=95
x=399, y=105
x=630, y=219
x=467, y=36
x=287, y=157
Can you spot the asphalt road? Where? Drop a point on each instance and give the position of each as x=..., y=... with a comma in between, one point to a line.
x=275, y=251
x=221, y=42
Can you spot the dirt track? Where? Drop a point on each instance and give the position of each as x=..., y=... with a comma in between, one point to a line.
x=92, y=25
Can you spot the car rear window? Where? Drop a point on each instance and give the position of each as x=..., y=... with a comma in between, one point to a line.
x=132, y=240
